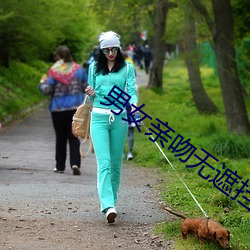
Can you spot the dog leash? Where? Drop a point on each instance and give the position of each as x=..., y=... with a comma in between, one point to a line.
x=177, y=174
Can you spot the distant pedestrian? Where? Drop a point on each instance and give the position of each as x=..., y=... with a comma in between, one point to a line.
x=93, y=55
x=138, y=56
x=131, y=125
x=109, y=131
x=147, y=54
x=65, y=84
x=131, y=132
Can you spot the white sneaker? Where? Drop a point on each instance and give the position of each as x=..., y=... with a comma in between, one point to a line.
x=58, y=171
x=130, y=156
x=111, y=214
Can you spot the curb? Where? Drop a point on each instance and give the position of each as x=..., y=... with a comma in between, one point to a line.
x=22, y=114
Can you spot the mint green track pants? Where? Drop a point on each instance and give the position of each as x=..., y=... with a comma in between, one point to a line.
x=108, y=139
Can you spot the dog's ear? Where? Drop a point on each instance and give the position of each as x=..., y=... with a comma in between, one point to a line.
x=214, y=235
x=228, y=237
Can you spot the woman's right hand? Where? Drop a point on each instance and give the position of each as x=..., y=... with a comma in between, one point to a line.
x=90, y=91
x=133, y=108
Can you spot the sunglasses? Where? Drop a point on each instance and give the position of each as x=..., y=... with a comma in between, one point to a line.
x=106, y=51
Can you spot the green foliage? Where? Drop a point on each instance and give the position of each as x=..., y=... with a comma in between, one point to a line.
x=221, y=200
x=175, y=25
x=128, y=18
x=176, y=18
x=210, y=130
x=170, y=230
x=243, y=60
x=230, y=146
x=19, y=87
x=175, y=106
x=241, y=17
x=29, y=33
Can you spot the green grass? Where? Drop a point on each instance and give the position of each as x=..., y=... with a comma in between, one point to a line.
x=230, y=146
x=19, y=88
x=175, y=105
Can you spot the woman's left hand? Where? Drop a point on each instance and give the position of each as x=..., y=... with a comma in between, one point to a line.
x=90, y=91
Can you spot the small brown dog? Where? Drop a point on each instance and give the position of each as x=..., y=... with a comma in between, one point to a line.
x=204, y=228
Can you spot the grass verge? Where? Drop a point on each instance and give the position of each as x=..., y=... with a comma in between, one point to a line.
x=19, y=89
x=208, y=133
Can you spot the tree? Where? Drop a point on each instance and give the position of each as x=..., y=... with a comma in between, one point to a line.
x=241, y=17
x=201, y=99
x=242, y=33
x=159, y=44
x=28, y=33
x=127, y=17
x=223, y=38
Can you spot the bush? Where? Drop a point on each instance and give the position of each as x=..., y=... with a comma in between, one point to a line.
x=230, y=146
x=19, y=88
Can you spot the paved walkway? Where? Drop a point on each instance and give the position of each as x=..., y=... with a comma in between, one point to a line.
x=29, y=189
x=26, y=163
x=141, y=78
x=27, y=158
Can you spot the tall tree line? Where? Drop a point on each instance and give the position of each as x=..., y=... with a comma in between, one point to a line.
x=219, y=18
x=221, y=26
x=32, y=29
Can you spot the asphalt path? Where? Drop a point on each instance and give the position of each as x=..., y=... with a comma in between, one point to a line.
x=31, y=190
x=26, y=164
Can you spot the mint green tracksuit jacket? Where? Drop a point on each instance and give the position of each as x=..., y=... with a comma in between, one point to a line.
x=109, y=135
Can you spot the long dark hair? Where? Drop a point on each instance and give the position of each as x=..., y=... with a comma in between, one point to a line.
x=102, y=67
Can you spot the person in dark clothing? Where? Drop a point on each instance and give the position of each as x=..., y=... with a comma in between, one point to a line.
x=138, y=56
x=65, y=84
x=147, y=54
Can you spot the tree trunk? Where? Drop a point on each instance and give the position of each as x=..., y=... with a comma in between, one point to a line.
x=223, y=38
x=235, y=108
x=201, y=99
x=159, y=47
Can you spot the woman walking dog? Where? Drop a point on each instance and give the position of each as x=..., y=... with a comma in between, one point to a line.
x=109, y=131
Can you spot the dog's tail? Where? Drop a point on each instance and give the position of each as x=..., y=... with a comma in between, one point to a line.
x=175, y=213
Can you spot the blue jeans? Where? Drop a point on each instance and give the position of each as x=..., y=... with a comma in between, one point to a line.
x=108, y=139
